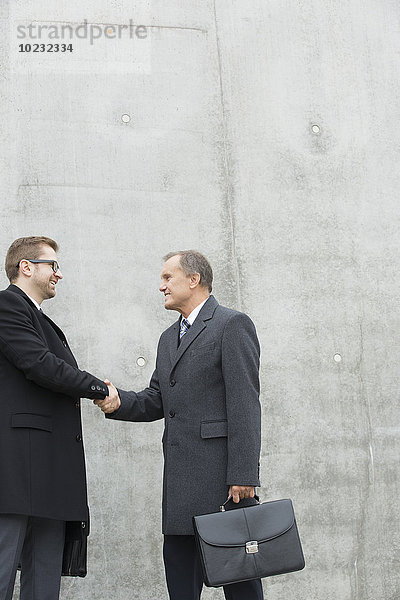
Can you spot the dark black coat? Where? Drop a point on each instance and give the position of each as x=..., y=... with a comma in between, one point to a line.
x=42, y=463
x=207, y=390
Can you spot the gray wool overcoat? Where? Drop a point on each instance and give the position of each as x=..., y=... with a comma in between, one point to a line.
x=207, y=391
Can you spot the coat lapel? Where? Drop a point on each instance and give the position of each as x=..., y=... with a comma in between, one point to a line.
x=56, y=328
x=198, y=326
x=173, y=341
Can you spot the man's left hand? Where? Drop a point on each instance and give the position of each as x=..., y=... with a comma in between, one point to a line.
x=238, y=492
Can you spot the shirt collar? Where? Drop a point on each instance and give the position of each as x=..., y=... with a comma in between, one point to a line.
x=195, y=312
x=34, y=302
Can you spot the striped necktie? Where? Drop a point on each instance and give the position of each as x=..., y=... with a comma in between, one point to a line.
x=184, y=327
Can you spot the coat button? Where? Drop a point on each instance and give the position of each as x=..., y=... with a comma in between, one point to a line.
x=172, y=382
x=64, y=343
x=98, y=388
x=171, y=413
x=78, y=437
x=93, y=387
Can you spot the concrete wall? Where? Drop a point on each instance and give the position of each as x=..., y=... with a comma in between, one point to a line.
x=265, y=134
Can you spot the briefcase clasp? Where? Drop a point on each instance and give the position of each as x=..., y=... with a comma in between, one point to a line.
x=251, y=547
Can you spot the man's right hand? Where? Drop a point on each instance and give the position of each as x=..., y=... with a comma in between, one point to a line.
x=110, y=403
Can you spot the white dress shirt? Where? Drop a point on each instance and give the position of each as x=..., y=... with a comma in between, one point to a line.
x=191, y=318
x=34, y=302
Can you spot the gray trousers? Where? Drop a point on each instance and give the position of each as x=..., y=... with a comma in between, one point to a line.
x=185, y=578
x=37, y=545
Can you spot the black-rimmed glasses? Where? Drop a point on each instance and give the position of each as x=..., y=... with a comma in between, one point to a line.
x=54, y=264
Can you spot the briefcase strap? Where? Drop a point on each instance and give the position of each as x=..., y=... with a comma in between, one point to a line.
x=222, y=507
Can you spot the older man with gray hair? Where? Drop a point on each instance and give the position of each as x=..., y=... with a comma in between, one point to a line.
x=206, y=388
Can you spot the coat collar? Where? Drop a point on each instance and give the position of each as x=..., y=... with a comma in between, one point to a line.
x=17, y=290
x=206, y=313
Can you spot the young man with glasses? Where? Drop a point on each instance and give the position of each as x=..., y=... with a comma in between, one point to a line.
x=42, y=464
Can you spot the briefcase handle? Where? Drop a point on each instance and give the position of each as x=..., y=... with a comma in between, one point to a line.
x=222, y=507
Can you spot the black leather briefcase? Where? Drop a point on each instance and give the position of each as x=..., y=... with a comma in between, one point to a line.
x=75, y=549
x=248, y=543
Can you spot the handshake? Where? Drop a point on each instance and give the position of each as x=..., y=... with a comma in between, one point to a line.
x=110, y=403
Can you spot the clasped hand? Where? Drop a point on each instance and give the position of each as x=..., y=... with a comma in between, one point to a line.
x=239, y=492
x=110, y=403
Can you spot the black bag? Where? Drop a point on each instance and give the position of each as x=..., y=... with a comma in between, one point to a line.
x=248, y=543
x=75, y=549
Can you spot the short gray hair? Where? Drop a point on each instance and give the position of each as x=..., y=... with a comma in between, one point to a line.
x=192, y=261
